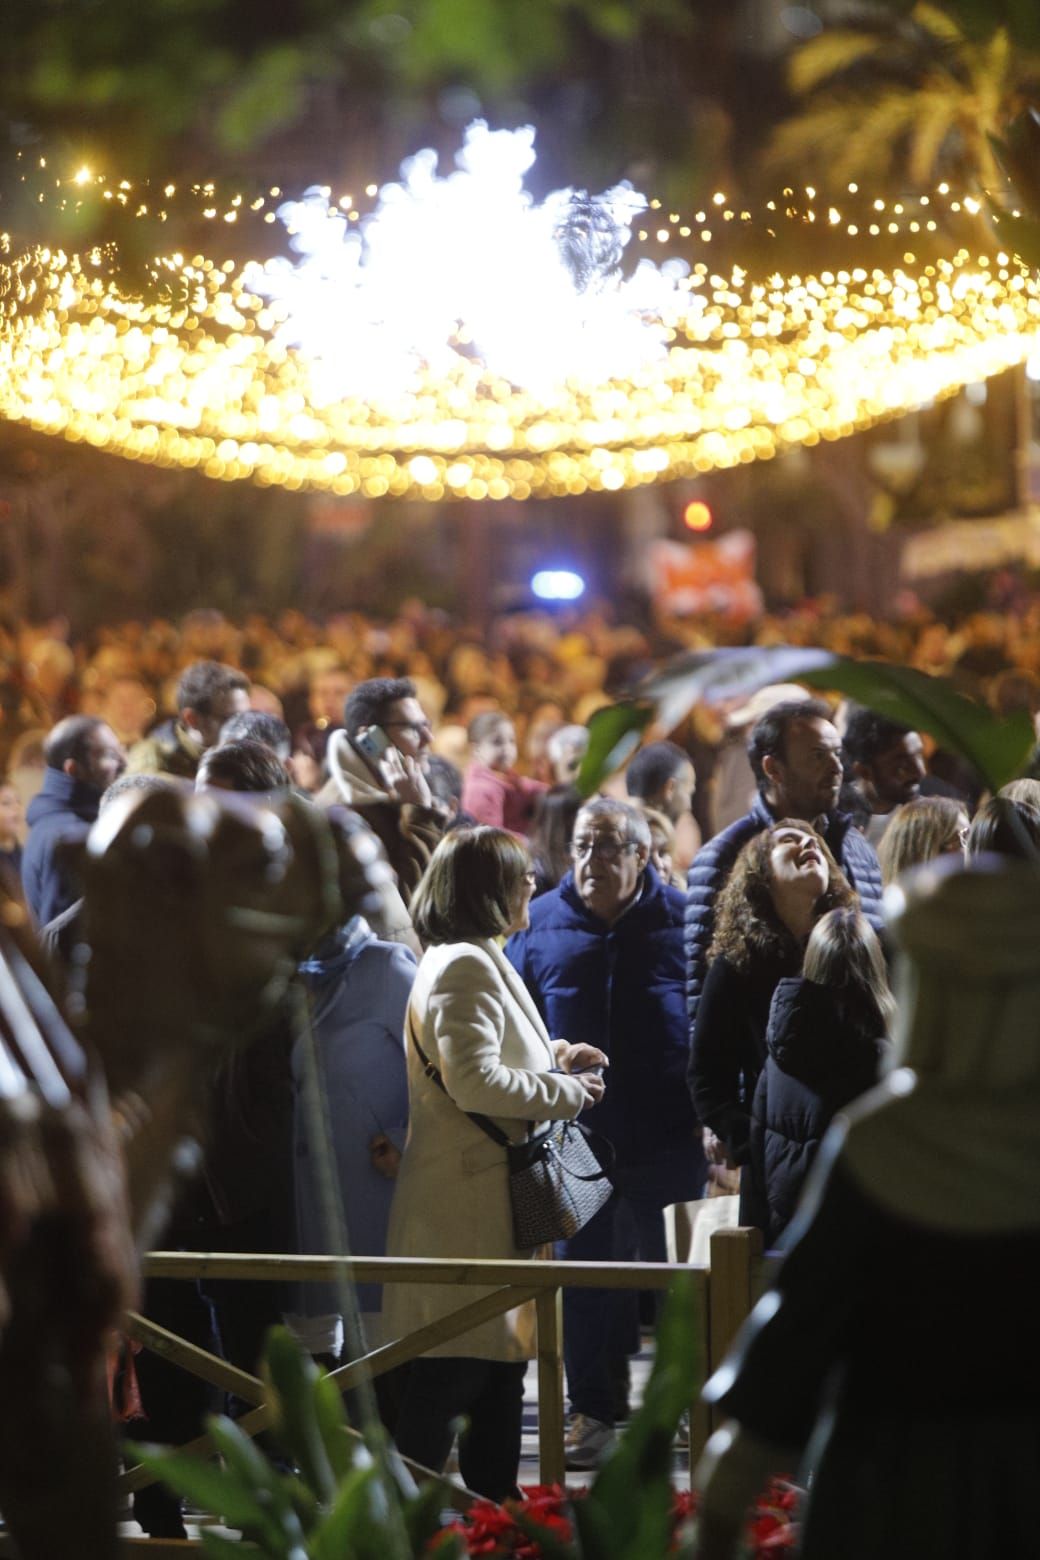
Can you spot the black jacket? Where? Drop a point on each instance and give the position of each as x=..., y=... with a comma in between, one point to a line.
x=729, y=1041
x=822, y=1050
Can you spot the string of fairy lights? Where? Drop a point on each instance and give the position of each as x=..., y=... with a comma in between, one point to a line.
x=189, y=370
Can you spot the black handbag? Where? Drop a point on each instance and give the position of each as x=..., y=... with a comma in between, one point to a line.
x=557, y=1181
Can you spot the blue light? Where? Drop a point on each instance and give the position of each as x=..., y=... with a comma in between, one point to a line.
x=558, y=585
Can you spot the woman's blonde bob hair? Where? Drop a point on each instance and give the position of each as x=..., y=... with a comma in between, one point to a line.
x=843, y=951
x=472, y=886
x=919, y=831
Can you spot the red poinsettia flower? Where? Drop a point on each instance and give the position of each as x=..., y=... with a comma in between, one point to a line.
x=493, y=1531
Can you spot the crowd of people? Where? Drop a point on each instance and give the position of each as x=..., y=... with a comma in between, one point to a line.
x=705, y=992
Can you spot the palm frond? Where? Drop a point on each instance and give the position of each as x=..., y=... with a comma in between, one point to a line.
x=829, y=54
x=857, y=135
x=937, y=113
x=930, y=19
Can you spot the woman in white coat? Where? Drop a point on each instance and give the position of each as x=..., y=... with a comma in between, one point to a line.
x=472, y=1018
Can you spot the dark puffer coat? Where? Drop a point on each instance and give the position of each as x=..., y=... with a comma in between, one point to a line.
x=822, y=1051
x=620, y=987
x=59, y=815
x=714, y=862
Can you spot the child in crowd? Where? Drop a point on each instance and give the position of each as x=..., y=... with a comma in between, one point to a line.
x=10, y=829
x=493, y=792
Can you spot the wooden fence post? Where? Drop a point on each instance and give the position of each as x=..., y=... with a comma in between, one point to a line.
x=551, y=1463
x=732, y=1282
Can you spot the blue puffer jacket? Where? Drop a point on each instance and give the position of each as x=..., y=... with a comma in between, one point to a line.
x=61, y=812
x=713, y=864
x=621, y=987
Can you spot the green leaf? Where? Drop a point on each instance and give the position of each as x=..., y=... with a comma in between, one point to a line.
x=422, y=1518
x=614, y=1526
x=357, y=1523
x=217, y=1547
x=225, y=1494
x=613, y=737
x=997, y=746
x=287, y=1506
x=341, y=1448
x=268, y=93
x=291, y=1375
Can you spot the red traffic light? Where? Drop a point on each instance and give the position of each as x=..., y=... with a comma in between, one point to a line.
x=697, y=516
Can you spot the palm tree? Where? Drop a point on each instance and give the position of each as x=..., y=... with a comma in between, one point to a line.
x=913, y=98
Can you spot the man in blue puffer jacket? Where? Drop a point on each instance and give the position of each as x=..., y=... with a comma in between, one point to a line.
x=795, y=755
x=603, y=960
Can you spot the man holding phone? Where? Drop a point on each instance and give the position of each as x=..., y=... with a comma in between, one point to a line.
x=378, y=768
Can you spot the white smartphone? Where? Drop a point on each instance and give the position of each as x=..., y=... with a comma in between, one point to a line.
x=373, y=742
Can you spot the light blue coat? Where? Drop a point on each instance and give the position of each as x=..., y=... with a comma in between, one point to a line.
x=358, y=997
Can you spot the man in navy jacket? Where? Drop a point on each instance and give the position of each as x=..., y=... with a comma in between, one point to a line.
x=83, y=756
x=603, y=959
x=796, y=758
x=795, y=754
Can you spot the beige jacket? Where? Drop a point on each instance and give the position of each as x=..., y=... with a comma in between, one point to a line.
x=479, y=1026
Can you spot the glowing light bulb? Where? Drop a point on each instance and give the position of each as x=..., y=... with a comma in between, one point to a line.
x=557, y=585
x=697, y=516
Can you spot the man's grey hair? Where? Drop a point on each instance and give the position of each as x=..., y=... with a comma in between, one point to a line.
x=566, y=737
x=636, y=828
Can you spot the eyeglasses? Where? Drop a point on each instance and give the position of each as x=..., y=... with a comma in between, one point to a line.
x=605, y=846
x=410, y=725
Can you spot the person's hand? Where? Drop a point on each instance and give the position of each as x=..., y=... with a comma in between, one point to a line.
x=594, y=1087
x=715, y=1151
x=723, y=1181
x=384, y=1157
x=579, y=1058
x=404, y=779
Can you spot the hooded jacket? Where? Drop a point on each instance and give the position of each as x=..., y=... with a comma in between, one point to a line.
x=359, y=989
x=409, y=834
x=822, y=1050
x=169, y=749
x=621, y=987
x=60, y=813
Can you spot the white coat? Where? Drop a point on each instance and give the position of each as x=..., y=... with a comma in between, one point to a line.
x=479, y=1027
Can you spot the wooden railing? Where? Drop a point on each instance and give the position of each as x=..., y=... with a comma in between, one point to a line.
x=723, y=1295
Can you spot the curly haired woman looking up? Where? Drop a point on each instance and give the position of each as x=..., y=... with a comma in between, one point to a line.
x=784, y=879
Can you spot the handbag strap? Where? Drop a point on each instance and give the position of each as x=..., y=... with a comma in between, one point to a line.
x=483, y=1122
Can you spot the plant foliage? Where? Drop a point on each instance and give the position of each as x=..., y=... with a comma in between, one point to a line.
x=348, y=1500
x=997, y=746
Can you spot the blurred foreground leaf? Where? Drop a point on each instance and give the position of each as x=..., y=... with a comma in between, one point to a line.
x=997, y=746
x=627, y=1514
x=614, y=735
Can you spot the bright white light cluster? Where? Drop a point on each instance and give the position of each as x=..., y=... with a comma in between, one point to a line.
x=445, y=264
